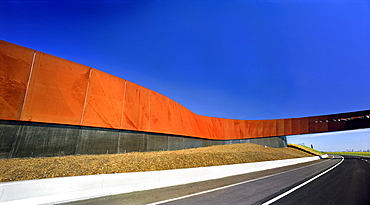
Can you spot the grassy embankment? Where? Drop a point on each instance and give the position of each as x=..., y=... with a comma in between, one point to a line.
x=306, y=149
x=366, y=154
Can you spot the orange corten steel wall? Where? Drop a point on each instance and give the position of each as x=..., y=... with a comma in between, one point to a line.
x=38, y=87
x=15, y=64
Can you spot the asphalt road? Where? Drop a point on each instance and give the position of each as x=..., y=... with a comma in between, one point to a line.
x=252, y=188
x=259, y=190
x=349, y=183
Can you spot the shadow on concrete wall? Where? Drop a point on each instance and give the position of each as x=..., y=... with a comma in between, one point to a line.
x=31, y=139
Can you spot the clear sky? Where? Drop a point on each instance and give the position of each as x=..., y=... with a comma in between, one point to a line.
x=231, y=59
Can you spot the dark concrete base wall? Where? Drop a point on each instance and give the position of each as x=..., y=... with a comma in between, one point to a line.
x=30, y=139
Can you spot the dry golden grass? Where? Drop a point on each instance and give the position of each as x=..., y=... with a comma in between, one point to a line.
x=37, y=168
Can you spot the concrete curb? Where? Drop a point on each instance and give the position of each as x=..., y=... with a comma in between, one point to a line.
x=64, y=189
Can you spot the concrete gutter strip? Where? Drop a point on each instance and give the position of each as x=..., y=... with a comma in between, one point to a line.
x=65, y=189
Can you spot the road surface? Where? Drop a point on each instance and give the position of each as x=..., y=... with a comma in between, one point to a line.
x=347, y=183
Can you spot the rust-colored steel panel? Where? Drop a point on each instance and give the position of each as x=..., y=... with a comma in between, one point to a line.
x=343, y=122
x=240, y=126
x=237, y=127
x=303, y=122
x=265, y=128
x=187, y=121
x=269, y=128
x=60, y=91
x=225, y=127
x=312, y=124
x=274, y=130
x=104, y=100
x=280, y=127
x=56, y=91
x=296, y=128
x=208, y=127
x=362, y=123
x=230, y=130
x=350, y=121
x=219, y=128
x=288, y=126
x=259, y=126
x=333, y=123
x=202, y=126
x=15, y=66
x=254, y=128
x=323, y=125
x=234, y=129
x=212, y=129
x=248, y=129
x=361, y=113
x=193, y=119
x=198, y=125
x=360, y=119
x=205, y=126
x=158, y=113
x=175, y=118
x=136, y=108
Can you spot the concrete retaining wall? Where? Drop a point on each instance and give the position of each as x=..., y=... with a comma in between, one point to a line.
x=31, y=139
x=48, y=191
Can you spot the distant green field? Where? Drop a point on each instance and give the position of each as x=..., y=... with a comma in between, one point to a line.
x=351, y=153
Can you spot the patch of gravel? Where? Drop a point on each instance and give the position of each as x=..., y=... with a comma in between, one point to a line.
x=17, y=169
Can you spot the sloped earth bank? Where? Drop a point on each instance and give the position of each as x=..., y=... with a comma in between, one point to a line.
x=37, y=168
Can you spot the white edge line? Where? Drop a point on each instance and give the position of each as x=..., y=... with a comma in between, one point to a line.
x=228, y=186
x=301, y=185
x=199, y=193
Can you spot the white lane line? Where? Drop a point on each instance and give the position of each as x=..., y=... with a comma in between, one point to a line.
x=228, y=186
x=301, y=185
x=199, y=193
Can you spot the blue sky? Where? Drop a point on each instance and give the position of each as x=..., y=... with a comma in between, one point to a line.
x=230, y=59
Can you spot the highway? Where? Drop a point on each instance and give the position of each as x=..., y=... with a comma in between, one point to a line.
x=349, y=183
x=329, y=181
